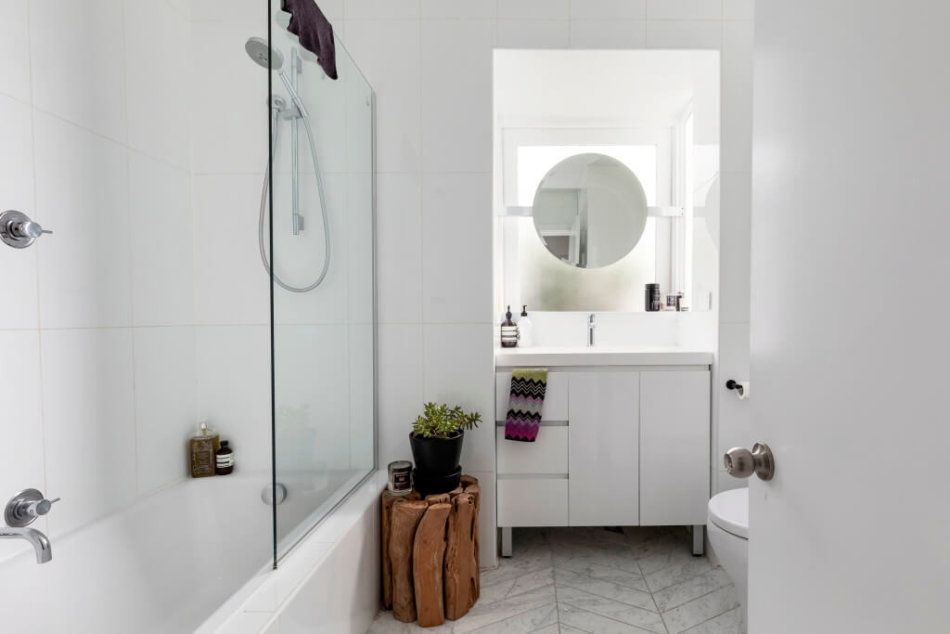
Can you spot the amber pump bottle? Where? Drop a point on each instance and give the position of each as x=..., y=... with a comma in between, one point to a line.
x=203, y=446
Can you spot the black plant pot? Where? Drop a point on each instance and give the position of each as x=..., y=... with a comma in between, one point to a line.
x=437, y=456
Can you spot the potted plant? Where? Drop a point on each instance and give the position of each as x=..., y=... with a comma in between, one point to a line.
x=436, y=442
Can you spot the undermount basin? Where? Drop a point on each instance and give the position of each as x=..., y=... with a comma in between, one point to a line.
x=600, y=356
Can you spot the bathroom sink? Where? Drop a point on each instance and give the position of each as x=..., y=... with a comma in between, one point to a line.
x=600, y=356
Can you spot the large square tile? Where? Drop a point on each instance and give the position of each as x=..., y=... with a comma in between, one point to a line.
x=533, y=34
x=399, y=243
x=456, y=240
x=82, y=196
x=735, y=213
x=684, y=9
x=165, y=403
x=89, y=424
x=21, y=453
x=15, y=49
x=400, y=388
x=162, y=231
x=16, y=183
x=457, y=95
x=535, y=9
x=77, y=55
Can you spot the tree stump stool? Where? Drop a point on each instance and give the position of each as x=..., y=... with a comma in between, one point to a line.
x=430, y=554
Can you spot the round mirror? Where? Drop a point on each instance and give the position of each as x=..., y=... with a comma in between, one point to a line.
x=590, y=210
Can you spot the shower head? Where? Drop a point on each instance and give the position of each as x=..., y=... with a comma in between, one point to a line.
x=259, y=51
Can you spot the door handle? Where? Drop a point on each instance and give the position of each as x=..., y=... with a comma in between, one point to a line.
x=742, y=463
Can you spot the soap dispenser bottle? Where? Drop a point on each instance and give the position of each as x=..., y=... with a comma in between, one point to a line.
x=509, y=331
x=202, y=450
x=525, y=329
x=224, y=459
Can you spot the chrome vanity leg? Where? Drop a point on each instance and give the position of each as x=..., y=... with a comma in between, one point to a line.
x=506, y=541
x=697, y=539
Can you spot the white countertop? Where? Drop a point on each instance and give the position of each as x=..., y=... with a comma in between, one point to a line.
x=600, y=356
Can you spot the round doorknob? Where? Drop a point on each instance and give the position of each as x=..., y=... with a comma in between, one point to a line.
x=742, y=463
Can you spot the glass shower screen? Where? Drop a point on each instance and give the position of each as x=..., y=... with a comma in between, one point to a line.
x=321, y=201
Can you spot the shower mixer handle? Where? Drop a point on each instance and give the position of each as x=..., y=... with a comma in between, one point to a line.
x=18, y=230
x=26, y=507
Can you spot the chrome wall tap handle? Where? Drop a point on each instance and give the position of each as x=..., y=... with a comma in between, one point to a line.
x=742, y=463
x=18, y=230
x=26, y=507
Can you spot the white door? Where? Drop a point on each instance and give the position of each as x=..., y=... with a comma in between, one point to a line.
x=850, y=326
x=603, y=450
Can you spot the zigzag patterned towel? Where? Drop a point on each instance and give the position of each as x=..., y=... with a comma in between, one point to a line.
x=525, y=404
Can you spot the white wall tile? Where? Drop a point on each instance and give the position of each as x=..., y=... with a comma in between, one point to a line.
x=737, y=50
x=82, y=195
x=735, y=416
x=382, y=9
x=77, y=52
x=231, y=284
x=457, y=95
x=609, y=9
x=488, y=548
x=533, y=34
x=233, y=379
x=701, y=34
x=534, y=9
x=400, y=388
x=399, y=243
x=247, y=11
x=459, y=8
x=19, y=310
x=360, y=245
x=14, y=49
x=738, y=9
x=157, y=65
x=21, y=427
x=362, y=394
x=89, y=423
x=735, y=250
x=607, y=34
x=228, y=105
x=162, y=243
x=388, y=53
x=165, y=403
x=684, y=9
x=459, y=366
x=456, y=243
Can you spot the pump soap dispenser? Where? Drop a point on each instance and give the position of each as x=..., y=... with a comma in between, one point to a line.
x=525, y=329
x=509, y=331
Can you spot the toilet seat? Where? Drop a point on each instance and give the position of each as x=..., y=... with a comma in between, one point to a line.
x=729, y=511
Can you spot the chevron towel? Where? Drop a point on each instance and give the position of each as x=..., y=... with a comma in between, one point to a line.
x=525, y=404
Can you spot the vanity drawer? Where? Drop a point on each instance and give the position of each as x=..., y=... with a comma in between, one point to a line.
x=532, y=502
x=546, y=455
x=555, y=396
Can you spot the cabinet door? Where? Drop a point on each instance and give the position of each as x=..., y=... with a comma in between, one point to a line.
x=603, y=448
x=674, y=447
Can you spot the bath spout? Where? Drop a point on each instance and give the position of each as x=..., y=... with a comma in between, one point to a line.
x=44, y=552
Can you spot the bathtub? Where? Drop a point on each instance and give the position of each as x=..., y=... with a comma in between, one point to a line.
x=163, y=565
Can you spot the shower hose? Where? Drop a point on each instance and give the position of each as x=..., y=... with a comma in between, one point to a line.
x=323, y=208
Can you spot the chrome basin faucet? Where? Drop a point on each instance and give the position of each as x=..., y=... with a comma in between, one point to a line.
x=591, y=325
x=21, y=511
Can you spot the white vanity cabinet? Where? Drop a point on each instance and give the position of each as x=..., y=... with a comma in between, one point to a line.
x=619, y=446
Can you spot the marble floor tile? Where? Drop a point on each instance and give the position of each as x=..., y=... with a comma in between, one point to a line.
x=595, y=580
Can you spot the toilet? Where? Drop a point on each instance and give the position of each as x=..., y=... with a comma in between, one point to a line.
x=728, y=530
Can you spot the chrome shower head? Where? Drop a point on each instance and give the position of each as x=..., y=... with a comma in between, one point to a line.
x=259, y=51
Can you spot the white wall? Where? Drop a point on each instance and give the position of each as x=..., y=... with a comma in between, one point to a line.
x=94, y=128
x=430, y=63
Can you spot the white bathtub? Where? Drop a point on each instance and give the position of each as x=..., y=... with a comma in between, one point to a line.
x=161, y=566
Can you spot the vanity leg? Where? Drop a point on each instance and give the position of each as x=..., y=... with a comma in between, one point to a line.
x=697, y=531
x=506, y=541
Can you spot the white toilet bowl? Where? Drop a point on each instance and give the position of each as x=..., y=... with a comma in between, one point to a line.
x=728, y=530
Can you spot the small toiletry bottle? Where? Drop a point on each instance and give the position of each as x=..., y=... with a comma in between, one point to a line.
x=224, y=459
x=509, y=331
x=652, y=298
x=525, y=329
x=202, y=452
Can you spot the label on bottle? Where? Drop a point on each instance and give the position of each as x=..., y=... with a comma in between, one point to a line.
x=224, y=460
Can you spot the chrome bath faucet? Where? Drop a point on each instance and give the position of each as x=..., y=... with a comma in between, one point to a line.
x=22, y=510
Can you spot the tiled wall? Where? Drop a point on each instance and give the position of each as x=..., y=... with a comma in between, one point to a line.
x=430, y=63
x=95, y=147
